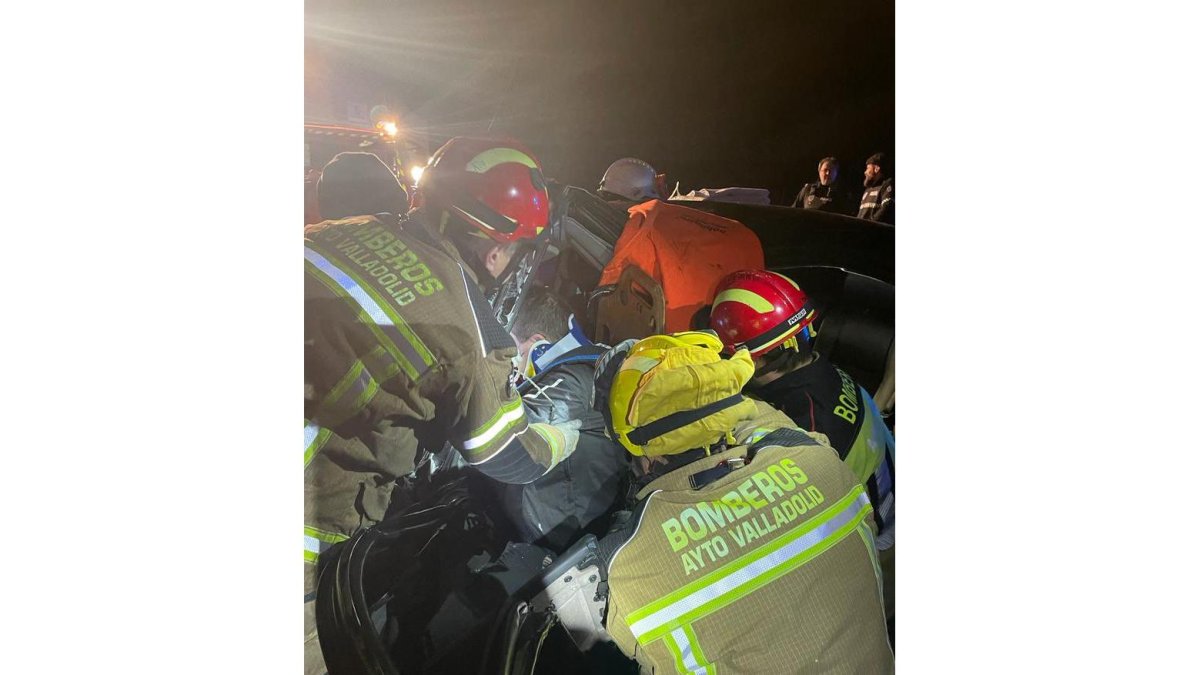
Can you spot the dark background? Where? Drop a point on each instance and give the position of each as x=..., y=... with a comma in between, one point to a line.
x=715, y=94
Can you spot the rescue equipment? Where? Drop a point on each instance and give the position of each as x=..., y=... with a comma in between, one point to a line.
x=673, y=393
x=686, y=252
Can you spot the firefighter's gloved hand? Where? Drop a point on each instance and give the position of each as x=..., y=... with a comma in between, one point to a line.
x=569, y=431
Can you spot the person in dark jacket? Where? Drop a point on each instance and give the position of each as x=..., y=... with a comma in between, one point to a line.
x=826, y=194
x=879, y=196
x=558, y=365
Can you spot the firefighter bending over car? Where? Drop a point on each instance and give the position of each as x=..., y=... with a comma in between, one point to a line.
x=751, y=549
x=770, y=316
x=402, y=351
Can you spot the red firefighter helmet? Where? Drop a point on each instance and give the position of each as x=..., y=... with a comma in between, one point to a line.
x=493, y=185
x=761, y=310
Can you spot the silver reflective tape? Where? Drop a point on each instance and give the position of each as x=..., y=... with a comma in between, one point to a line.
x=685, y=651
x=310, y=435
x=491, y=432
x=376, y=313
x=314, y=545
x=355, y=291
x=750, y=572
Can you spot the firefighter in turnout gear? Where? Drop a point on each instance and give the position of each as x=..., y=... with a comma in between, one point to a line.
x=879, y=193
x=770, y=316
x=403, y=353
x=745, y=516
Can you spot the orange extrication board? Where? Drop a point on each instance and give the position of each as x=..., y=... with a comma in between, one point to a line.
x=685, y=250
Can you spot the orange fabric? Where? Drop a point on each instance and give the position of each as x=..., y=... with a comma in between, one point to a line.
x=687, y=251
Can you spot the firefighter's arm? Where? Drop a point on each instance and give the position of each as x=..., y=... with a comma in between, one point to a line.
x=493, y=433
x=523, y=453
x=532, y=453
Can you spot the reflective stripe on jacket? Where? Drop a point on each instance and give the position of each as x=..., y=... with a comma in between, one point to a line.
x=402, y=352
x=820, y=397
x=770, y=568
x=878, y=202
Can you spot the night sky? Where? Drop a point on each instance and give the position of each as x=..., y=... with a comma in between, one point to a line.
x=716, y=94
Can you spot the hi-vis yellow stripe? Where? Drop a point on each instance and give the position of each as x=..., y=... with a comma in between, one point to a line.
x=490, y=158
x=785, y=278
x=314, y=439
x=750, y=572
x=688, y=656
x=757, y=302
x=316, y=541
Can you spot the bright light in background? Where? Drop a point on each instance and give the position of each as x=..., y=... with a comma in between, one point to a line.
x=415, y=171
x=389, y=128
